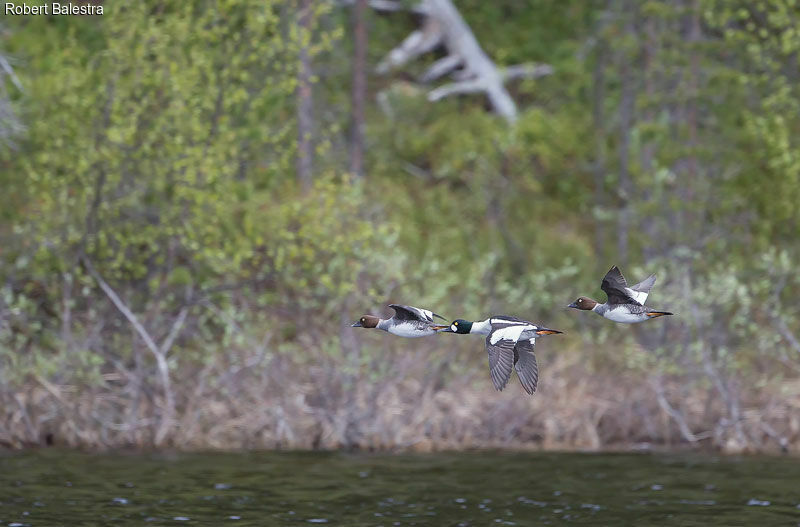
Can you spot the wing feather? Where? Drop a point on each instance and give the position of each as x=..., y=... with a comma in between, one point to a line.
x=402, y=312
x=526, y=366
x=501, y=361
x=616, y=288
x=640, y=291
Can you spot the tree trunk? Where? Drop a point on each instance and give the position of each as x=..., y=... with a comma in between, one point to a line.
x=305, y=106
x=692, y=170
x=648, y=150
x=627, y=101
x=359, y=93
x=598, y=119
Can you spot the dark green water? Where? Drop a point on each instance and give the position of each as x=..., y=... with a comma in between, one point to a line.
x=50, y=487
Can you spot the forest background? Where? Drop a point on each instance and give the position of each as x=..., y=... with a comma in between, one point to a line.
x=199, y=197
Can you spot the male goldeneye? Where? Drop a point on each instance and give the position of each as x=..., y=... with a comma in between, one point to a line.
x=408, y=321
x=509, y=342
x=625, y=304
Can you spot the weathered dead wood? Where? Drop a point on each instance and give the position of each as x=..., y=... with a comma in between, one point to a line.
x=466, y=62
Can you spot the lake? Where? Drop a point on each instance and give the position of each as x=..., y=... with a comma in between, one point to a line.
x=475, y=488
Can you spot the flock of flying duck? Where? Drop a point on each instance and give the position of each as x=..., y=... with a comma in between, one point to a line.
x=510, y=340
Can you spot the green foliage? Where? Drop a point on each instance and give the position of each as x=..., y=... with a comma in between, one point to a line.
x=161, y=144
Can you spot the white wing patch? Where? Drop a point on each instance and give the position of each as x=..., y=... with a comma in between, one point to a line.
x=640, y=291
x=429, y=314
x=511, y=333
x=639, y=296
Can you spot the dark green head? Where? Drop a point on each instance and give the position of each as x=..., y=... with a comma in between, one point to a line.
x=460, y=326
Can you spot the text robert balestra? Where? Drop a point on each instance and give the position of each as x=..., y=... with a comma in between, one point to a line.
x=53, y=8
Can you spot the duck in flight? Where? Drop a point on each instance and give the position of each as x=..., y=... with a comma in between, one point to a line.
x=408, y=321
x=509, y=343
x=625, y=304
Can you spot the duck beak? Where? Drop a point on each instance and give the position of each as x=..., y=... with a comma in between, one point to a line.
x=357, y=325
x=545, y=331
x=573, y=305
x=442, y=329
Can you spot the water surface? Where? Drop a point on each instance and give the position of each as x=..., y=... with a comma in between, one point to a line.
x=52, y=487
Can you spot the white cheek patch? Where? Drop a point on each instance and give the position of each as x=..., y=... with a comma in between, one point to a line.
x=454, y=328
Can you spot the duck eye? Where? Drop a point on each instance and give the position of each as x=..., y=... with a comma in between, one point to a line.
x=363, y=319
x=456, y=323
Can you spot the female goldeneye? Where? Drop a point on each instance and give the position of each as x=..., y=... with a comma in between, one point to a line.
x=509, y=342
x=408, y=321
x=625, y=304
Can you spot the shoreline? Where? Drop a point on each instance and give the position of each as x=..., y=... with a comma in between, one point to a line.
x=499, y=449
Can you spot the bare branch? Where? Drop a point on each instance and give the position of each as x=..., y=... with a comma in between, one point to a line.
x=441, y=67
x=418, y=42
x=461, y=41
x=455, y=88
x=158, y=352
x=174, y=331
x=122, y=307
x=526, y=71
x=6, y=67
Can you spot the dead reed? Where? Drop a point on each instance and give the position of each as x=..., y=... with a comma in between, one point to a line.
x=407, y=400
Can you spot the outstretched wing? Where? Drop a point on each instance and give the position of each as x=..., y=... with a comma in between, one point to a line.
x=500, y=343
x=402, y=312
x=526, y=366
x=616, y=288
x=640, y=291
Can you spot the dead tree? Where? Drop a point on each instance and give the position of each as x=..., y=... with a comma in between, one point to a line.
x=467, y=64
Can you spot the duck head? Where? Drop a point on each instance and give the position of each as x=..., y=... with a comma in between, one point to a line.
x=458, y=326
x=583, y=303
x=366, y=321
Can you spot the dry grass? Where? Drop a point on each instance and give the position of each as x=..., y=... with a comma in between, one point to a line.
x=422, y=404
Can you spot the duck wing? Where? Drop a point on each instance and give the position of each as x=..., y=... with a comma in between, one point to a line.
x=526, y=366
x=500, y=344
x=501, y=360
x=640, y=291
x=402, y=312
x=507, y=320
x=616, y=288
